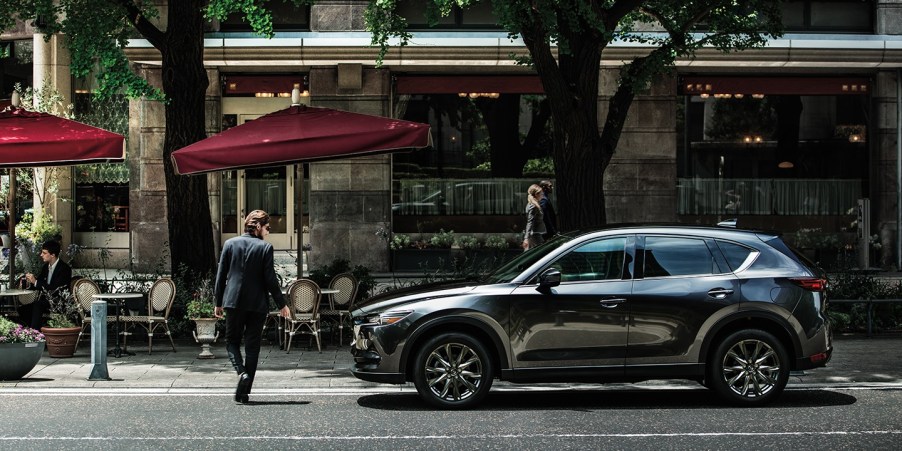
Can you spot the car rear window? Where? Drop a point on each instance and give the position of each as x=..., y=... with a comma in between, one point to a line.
x=734, y=253
x=676, y=256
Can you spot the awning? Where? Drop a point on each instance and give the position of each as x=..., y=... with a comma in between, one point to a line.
x=29, y=139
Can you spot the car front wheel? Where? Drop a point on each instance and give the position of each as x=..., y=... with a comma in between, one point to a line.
x=749, y=367
x=453, y=371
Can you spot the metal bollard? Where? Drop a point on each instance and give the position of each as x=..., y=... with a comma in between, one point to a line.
x=99, y=370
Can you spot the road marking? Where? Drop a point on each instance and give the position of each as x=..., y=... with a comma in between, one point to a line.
x=339, y=391
x=469, y=436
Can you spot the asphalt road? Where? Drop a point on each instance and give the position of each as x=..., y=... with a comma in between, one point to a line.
x=671, y=418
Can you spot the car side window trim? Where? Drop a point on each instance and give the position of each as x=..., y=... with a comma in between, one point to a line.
x=749, y=259
x=627, y=265
x=641, y=240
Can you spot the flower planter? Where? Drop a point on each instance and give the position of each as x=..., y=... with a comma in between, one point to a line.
x=420, y=260
x=205, y=334
x=19, y=359
x=61, y=341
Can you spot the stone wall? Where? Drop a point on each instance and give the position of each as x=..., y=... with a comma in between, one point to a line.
x=350, y=199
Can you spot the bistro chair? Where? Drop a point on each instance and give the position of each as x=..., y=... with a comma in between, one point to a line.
x=342, y=302
x=82, y=291
x=303, y=300
x=274, y=319
x=160, y=298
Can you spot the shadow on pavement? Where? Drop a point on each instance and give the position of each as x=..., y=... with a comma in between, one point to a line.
x=275, y=403
x=606, y=400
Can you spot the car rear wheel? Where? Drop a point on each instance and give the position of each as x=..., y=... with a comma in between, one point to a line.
x=749, y=367
x=453, y=371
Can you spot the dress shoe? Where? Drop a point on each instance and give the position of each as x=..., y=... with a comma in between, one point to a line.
x=243, y=388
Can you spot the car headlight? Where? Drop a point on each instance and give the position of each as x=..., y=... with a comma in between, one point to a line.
x=389, y=317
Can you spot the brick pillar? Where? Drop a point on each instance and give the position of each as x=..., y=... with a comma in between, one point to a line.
x=350, y=197
x=640, y=182
x=147, y=186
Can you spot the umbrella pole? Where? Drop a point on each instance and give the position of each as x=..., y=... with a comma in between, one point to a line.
x=12, y=227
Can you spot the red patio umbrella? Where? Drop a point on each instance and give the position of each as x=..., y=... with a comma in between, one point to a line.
x=29, y=139
x=300, y=134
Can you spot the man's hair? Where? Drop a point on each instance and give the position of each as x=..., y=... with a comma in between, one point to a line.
x=255, y=218
x=546, y=183
x=52, y=247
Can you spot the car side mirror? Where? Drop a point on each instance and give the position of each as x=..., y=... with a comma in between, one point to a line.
x=550, y=278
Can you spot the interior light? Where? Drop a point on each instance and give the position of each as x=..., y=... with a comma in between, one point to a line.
x=786, y=165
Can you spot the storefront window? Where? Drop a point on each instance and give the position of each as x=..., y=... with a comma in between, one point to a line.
x=101, y=207
x=773, y=155
x=488, y=148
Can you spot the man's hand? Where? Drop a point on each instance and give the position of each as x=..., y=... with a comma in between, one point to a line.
x=285, y=312
x=217, y=312
x=30, y=278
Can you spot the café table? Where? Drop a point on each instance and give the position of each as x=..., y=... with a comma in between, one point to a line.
x=118, y=299
x=9, y=305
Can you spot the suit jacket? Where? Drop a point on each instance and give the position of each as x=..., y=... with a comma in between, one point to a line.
x=549, y=217
x=62, y=276
x=246, y=274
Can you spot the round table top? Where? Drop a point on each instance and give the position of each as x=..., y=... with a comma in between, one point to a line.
x=15, y=292
x=117, y=295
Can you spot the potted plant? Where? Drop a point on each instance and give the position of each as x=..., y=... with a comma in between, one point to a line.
x=61, y=331
x=20, y=349
x=200, y=310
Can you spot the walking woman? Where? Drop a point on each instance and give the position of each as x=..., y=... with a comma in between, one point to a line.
x=535, y=224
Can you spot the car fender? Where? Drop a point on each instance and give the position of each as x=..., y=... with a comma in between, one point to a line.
x=476, y=319
x=771, y=313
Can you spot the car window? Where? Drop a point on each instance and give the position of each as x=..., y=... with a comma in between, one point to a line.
x=677, y=256
x=598, y=260
x=734, y=253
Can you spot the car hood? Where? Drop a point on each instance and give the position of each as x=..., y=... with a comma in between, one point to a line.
x=382, y=302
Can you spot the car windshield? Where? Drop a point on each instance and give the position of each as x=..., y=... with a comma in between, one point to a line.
x=516, y=266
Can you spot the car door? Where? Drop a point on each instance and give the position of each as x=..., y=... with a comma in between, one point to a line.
x=582, y=322
x=681, y=282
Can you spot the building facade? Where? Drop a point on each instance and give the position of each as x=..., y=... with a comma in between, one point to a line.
x=785, y=137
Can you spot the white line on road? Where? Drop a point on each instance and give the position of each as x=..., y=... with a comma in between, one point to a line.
x=342, y=391
x=471, y=436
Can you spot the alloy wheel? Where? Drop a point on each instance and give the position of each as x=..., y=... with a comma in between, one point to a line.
x=454, y=372
x=751, y=368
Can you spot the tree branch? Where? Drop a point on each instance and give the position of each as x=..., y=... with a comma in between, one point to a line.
x=139, y=21
x=620, y=8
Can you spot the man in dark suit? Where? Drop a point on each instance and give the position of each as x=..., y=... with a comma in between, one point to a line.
x=246, y=274
x=548, y=214
x=55, y=274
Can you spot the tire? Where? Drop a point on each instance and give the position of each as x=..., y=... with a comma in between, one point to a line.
x=453, y=371
x=748, y=368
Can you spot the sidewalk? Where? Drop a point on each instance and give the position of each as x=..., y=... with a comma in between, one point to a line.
x=856, y=361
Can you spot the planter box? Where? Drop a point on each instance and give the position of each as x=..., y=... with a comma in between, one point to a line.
x=19, y=359
x=425, y=260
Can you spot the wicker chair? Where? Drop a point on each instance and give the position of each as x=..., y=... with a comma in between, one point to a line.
x=343, y=301
x=303, y=300
x=82, y=291
x=160, y=298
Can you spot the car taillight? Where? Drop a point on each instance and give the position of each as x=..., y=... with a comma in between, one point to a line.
x=810, y=283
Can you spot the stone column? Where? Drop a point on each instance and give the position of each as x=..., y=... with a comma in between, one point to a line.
x=884, y=202
x=350, y=197
x=149, y=232
x=640, y=182
x=50, y=71
x=147, y=186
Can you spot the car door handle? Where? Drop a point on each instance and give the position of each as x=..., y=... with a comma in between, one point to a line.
x=720, y=293
x=611, y=303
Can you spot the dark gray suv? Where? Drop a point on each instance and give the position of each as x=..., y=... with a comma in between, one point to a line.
x=736, y=310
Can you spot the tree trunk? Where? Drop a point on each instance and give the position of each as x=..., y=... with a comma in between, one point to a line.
x=185, y=84
x=502, y=119
x=571, y=87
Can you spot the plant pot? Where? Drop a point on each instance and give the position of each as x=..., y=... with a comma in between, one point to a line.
x=19, y=359
x=420, y=260
x=205, y=333
x=61, y=341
